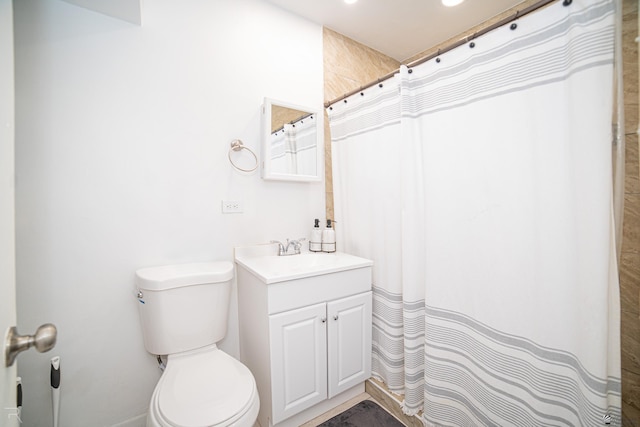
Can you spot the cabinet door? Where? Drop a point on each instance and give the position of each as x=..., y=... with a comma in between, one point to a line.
x=298, y=360
x=349, y=343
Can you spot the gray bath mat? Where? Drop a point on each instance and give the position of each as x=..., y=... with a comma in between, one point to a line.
x=364, y=414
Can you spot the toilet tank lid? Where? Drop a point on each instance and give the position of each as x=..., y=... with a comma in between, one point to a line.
x=179, y=275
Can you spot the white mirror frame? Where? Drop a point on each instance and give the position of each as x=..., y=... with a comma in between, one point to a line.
x=267, y=171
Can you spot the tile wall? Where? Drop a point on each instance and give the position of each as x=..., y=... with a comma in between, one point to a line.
x=630, y=262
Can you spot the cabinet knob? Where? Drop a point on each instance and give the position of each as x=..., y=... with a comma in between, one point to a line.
x=335, y=317
x=323, y=320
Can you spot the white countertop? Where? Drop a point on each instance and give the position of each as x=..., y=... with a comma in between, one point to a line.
x=263, y=262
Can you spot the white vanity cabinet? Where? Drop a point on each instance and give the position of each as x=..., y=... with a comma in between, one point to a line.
x=349, y=342
x=298, y=354
x=318, y=352
x=307, y=340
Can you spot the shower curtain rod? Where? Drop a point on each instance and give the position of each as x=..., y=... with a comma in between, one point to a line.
x=500, y=23
x=294, y=121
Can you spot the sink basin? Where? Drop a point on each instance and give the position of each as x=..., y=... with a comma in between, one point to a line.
x=273, y=268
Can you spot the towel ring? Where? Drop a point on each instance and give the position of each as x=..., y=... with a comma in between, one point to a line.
x=237, y=145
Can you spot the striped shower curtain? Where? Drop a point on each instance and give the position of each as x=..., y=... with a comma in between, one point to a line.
x=293, y=147
x=480, y=185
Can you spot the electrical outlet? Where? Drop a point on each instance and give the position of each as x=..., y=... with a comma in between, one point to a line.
x=231, y=206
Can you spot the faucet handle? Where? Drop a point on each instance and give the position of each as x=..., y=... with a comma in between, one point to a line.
x=281, y=249
x=297, y=245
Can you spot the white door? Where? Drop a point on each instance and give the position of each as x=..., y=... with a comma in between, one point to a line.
x=7, y=251
x=349, y=343
x=298, y=360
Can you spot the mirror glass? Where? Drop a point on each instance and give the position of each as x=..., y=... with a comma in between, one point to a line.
x=291, y=142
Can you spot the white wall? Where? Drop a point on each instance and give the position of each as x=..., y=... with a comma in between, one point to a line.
x=121, y=162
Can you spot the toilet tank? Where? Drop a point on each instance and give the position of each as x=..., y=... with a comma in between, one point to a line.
x=183, y=307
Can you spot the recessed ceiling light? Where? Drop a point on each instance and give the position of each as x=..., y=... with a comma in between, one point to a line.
x=350, y=1
x=450, y=3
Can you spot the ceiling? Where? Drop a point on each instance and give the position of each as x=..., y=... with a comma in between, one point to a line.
x=127, y=10
x=397, y=28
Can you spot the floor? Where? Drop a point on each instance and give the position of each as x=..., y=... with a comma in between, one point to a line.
x=348, y=404
x=391, y=402
x=335, y=411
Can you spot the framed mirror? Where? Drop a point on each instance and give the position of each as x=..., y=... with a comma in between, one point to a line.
x=291, y=142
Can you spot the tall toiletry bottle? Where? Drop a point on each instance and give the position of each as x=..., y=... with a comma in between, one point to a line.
x=315, y=242
x=328, y=238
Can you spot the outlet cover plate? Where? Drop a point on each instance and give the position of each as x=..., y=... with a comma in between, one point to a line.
x=231, y=206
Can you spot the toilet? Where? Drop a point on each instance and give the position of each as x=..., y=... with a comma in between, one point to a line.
x=183, y=311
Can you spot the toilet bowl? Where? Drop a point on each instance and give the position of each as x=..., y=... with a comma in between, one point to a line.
x=204, y=388
x=183, y=311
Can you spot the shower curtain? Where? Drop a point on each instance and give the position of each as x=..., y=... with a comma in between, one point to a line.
x=480, y=183
x=293, y=147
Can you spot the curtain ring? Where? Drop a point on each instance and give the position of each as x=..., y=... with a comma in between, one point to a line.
x=237, y=145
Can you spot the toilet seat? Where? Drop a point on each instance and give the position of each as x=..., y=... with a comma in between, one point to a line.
x=205, y=387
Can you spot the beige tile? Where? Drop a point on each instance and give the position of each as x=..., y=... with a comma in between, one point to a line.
x=630, y=282
x=629, y=267
x=630, y=9
x=349, y=65
x=629, y=15
x=630, y=64
x=630, y=415
x=630, y=342
x=631, y=165
x=338, y=85
x=631, y=224
x=631, y=114
x=329, y=208
x=352, y=59
x=631, y=393
x=328, y=170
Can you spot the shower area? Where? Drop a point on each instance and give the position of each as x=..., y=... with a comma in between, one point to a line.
x=503, y=221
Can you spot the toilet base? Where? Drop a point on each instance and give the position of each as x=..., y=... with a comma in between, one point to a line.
x=204, y=386
x=248, y=419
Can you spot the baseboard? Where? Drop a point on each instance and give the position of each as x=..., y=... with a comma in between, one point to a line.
x=139, y=421
x=391, y=402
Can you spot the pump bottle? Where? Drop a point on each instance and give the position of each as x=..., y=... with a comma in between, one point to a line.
x=315, y=242
x=328, y=238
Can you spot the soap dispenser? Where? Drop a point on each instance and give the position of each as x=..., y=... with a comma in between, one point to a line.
x=315, y=242
x=328, y=238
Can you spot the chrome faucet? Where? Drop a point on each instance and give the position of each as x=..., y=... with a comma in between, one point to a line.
x=284, y=249
x=281, y=249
